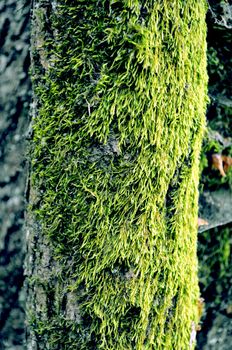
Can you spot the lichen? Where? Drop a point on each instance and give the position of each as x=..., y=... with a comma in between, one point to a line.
x=116, y=162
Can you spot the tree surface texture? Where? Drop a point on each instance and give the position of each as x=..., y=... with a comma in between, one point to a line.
x=118, y=121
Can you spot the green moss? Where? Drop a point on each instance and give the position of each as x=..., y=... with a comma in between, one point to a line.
x=116, y=162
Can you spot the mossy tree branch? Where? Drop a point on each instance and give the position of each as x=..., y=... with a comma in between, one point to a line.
x=120, y=91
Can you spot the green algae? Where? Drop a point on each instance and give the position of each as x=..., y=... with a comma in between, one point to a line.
x=115, y=161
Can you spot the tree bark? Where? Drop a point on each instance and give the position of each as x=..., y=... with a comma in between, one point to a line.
x=119, y=116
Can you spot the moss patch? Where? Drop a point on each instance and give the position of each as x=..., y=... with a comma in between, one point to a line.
x=115, y=165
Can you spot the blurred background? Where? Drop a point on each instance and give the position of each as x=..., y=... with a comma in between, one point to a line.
x=215, y=217
x=15, y=95
x=215, y=244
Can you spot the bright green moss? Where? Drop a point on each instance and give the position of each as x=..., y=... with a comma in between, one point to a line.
x=116, y=158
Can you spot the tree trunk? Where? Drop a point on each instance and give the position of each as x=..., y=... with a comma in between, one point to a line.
x=119, y=115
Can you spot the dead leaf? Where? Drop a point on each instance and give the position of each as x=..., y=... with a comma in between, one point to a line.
x=217, y=163
x=227, y=162
x=202, y=222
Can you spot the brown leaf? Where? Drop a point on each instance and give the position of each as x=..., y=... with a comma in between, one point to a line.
x=202, y=222
x=217, y=163
x=227, y=162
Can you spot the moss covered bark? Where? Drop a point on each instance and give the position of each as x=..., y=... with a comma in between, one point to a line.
x=120, y=95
